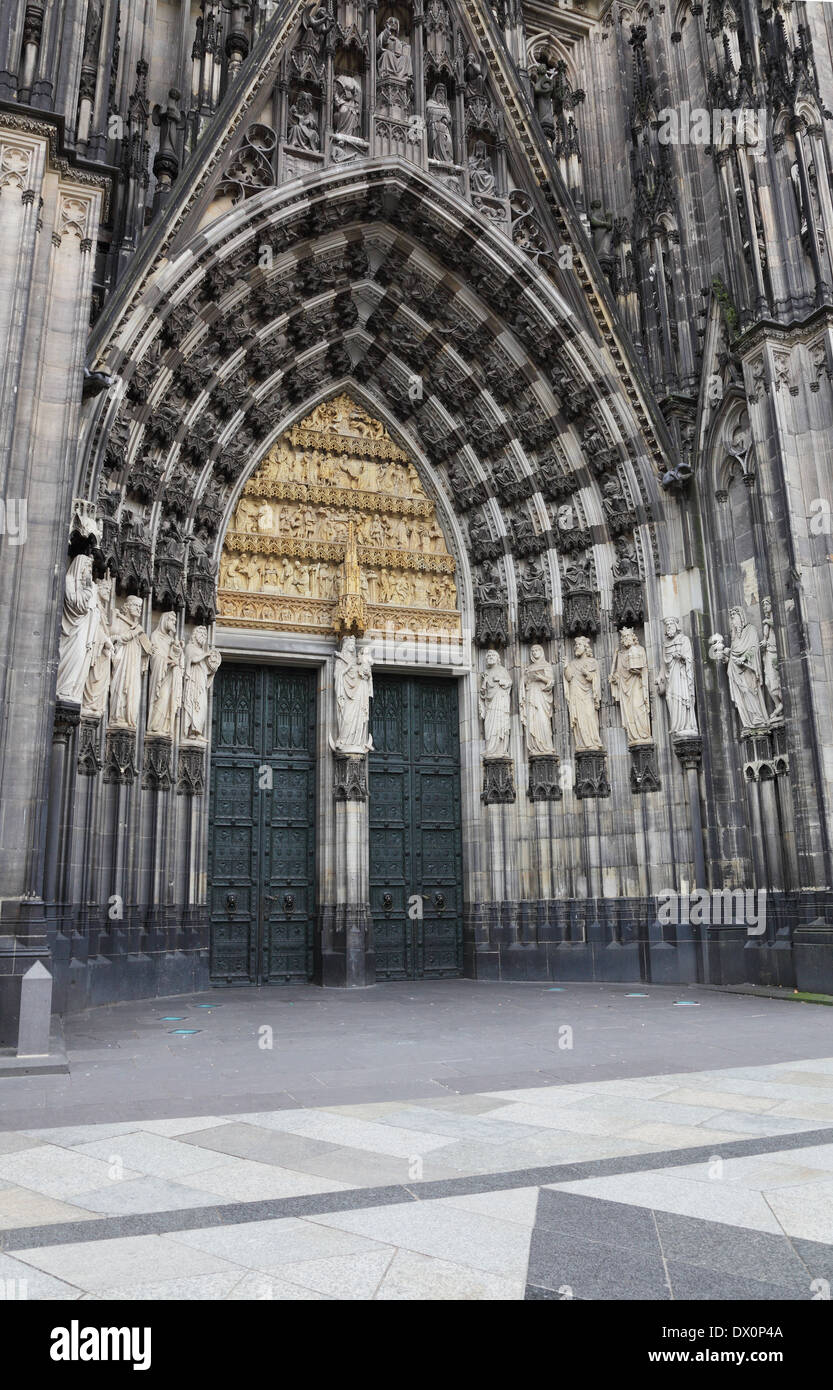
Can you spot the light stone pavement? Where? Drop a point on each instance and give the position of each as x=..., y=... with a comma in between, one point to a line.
x=702, y=1184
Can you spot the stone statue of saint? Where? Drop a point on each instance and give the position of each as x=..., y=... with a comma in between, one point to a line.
x=675, y=681
x=537, y=686
x=481, y=177
x=303, y=124
x=394, y=54
x=131, y=650
x=438, y=122
x=769, y=650
x=353, y=680
x=583, y=692
x=167, y=661
x=79, y=622
x=629, y=687
x=94, y=702
x=201, y=666
x=495, y=695
x=347, y=102
x=746, y=678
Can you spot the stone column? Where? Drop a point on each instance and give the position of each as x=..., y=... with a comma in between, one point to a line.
x=347, y=955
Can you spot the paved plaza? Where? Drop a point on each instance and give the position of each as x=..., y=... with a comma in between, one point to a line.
x=440, y=1141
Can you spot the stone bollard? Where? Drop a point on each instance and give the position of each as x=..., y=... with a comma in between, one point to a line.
x=35, y=1012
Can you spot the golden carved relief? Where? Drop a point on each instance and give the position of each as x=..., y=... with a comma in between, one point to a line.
x=334, y=532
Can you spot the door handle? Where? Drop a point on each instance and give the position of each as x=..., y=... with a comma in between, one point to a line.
x=231, y=902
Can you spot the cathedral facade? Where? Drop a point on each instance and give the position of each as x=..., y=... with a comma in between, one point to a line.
x=417, y=450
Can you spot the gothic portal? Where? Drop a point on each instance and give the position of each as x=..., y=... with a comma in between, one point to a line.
x=416, y=432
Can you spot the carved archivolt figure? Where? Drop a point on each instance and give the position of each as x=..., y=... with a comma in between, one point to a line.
x=481, y=177
x=769, y=649
x=94, y=702
x=131, y=650
x=676, y=680
x=537, y=686
x=79, y=622
x=353, y=679
x=629, y=687
x=394, y=54
x=495, y=695
x=167, y=662
x=583, y=692
x=743, y=664
x=347, y=100
x=201, y=666
x=303, y=124
x=438, y=121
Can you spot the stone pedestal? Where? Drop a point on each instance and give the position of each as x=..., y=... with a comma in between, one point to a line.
x=498, y=781
x=644, y=769
x=591, y=775
x=544, y=778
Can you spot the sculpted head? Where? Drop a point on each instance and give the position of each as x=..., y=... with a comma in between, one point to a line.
x=582, y=646
x=536, y=655
x=492, y=658
x=439, y=94
x=627, y=637
x=672, y=626
x=200, y=636
x=133, y=607
x=168, y=623
x=737, y=620
x=392, y=26
x=348, y=646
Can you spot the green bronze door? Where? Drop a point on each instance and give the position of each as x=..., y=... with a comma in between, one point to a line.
x=415, y=844
x=262, y=840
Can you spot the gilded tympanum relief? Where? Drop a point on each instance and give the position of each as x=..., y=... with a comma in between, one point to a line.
x=334, y=532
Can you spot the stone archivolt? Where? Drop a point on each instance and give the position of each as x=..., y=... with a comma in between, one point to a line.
x=284, y=555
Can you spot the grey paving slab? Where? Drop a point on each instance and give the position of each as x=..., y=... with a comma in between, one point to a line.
x=456, y=1126
x=58, y=1172
x=353, y=1276
x=242, y=1180
x=667, y=1192
x=198, y=1288
x=153, y=1154
x=610, y=1223
x=586, y=1269
x=412, y=1277
x=749, y=1254
x=443, y=1230
x=144, y=1195
x=805, y=1212
x=21, y=1282
x=12, y=1142
x=709, y=1285
x=131, y=1262
x=269, y=1246
x=253, y=1141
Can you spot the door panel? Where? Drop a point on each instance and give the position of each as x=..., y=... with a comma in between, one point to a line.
x=415, y=840
x=262, y=841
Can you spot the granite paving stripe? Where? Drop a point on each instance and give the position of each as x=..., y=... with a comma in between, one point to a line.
x=108, y=1228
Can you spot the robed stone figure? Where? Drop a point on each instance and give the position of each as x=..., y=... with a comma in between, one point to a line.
x=745, y=672
x=629, y=688
x=394, y=54
x=131, y=650
x=537, y=686
x=495, y=696
x=353, y=680
x=167, y=661
x=676, y=680
x=583, y=693
x=201, y=666
x=79, y=622
x=97, y=684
